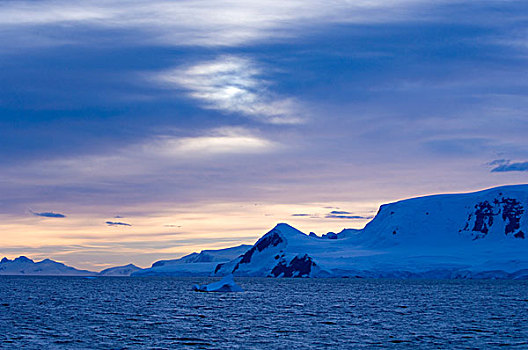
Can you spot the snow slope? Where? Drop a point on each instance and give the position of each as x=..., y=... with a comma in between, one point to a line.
x=120, y=271
x=24, y=266
x=195, y=264
x=472, y=235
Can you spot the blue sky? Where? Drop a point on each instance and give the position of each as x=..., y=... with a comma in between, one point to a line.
x=204, y=123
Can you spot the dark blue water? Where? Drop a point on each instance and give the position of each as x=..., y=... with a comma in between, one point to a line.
x=163, y=313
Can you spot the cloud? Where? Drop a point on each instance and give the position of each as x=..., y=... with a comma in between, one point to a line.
x=218, y=141
x=352, y=217
x=335, y=215
x=505, y=165
x=193, y=22
x=156, y=155
x=232, y=84
x=117, y=223
x=49, y=214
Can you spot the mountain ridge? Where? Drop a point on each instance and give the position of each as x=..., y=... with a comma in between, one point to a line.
x=449, y=236
x=479, y=234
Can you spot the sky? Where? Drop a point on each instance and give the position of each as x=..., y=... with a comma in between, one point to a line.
x=135, y=131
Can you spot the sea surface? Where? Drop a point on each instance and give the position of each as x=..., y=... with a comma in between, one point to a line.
x=164, y=313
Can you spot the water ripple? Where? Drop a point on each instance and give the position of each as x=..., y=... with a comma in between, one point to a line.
x=163, y=313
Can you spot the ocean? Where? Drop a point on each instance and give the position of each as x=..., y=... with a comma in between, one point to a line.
x=164, y=313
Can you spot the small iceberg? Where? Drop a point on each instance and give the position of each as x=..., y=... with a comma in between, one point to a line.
x=226, y=284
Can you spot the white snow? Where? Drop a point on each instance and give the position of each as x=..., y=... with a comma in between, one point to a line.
x=440, y=236
x=471, y=235
x=195, y=264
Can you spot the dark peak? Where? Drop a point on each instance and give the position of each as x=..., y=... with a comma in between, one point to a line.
x=330, y=235
x=23, y=258
x=5, y=260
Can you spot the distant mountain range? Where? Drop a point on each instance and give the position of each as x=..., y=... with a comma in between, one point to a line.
x=195, y=264
x=471, y=235
x=27, y=267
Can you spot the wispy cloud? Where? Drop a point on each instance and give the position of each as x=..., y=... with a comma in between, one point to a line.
x=336, y=214
x=226, y=140
x=49, y=214
x=198, y=22
x=505, y=165
x=353, y=217
x=233, y=85
x=117, y=223
x=154, y=156
x=340, y=214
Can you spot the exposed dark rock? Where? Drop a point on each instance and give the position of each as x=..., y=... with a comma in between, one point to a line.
x=485, y=212
x=246, y=258
x=270, y=239
x=298, y=267
x=484, y=218
x=218, y=267
x=511, y=212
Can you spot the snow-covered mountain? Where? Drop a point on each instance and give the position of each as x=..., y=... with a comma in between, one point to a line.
x=24, y=266
x=195, y=264
x=120, y=271
x=472, y=235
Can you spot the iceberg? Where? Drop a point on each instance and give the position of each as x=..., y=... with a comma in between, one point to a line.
x=225, y=285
